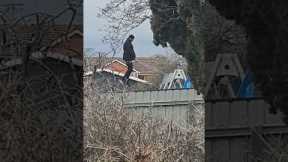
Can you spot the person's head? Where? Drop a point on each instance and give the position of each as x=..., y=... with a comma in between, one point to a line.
x=131, y=37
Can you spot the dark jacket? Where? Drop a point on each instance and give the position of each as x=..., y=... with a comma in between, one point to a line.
x=129, y=53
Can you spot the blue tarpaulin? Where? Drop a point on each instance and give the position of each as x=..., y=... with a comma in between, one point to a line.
x=246, y=89
x=188, y=83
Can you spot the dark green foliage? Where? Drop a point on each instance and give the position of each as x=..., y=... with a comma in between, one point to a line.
x=266, y=23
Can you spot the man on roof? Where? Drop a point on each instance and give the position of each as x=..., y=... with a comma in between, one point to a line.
x=128, y=56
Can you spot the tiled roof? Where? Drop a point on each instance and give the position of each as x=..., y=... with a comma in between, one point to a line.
x=25, y=33
x=118, y=66
x=59, y=44
x=73, y=46
x=51, y=36
x=144, y=65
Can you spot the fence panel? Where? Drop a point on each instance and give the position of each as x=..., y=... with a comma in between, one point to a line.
x=229, y=127
x=172, y=105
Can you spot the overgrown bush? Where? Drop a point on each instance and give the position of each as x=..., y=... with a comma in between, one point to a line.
x=113, y=133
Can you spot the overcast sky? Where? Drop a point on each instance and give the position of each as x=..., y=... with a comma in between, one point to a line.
x=143, y=44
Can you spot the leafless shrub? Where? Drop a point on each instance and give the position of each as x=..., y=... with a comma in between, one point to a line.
x=95, y=62
x=113, y=133
x=40, y=116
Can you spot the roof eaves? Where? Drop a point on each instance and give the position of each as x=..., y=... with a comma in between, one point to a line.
x=122, y=74
x=39, y=55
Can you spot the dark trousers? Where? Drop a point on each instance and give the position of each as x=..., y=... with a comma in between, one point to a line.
x=129, y=71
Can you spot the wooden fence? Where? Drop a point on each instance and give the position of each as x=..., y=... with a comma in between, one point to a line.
x=171, y=105
x=234, y=130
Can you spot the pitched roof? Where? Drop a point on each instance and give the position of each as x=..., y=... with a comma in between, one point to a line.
x=90, y=73
x=70, y=45
x=50, y=34
x=144, y=65
x=58, y=43
x=49, y=37
x=117, y=66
